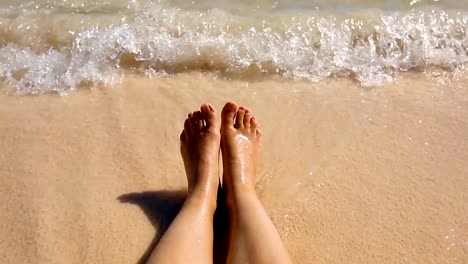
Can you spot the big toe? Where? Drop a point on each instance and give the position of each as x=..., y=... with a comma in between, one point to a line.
x=228, y=114
x=209, y=114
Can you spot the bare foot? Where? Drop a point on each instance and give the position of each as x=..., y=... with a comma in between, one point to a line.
x=240, y=146
x=200, y=141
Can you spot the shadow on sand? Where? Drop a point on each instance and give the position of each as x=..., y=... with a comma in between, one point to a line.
x=161, y=207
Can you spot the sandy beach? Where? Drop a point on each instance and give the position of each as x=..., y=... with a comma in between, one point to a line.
x=348, y=174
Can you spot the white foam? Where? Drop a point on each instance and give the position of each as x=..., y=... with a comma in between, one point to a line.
x=310, y=46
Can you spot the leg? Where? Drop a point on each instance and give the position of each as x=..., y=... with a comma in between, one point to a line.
x=189, y=238
x=253, y=237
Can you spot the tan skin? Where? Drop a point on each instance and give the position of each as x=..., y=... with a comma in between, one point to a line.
x=253, y=237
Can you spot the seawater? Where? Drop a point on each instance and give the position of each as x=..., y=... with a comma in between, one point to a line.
x=56, y=46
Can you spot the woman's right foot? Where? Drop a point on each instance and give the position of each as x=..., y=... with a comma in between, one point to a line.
x=253, y=238
x=240, y=147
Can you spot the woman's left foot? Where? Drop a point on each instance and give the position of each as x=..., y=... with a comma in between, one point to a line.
x=200, y=141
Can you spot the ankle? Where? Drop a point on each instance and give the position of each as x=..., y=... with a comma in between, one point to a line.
x=241, y=197
x=205, y=197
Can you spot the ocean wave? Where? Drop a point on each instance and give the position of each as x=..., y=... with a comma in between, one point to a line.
x=60, y=52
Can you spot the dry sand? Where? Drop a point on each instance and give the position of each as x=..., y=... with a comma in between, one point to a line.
x=348, y=174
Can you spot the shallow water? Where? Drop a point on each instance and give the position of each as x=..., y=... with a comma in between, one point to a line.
x=59, y=45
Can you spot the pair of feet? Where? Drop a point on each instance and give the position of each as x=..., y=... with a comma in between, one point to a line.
x=239, y=140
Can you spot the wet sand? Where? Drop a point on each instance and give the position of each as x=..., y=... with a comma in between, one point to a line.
x=348, y=174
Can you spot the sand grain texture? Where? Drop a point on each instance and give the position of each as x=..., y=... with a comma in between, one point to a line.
x=348, y=174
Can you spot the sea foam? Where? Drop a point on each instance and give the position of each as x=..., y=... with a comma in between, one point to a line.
x=57, y=51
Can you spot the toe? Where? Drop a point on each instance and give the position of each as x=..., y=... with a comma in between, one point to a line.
x=182, y=136
x=253, y=123
x=199, y=123
x=258, y=132
x=247, y=118
x=240, y=117
x=209, y=114
x=191, y=119
x=255, y=127
x=187, y=129
x=228, y=114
